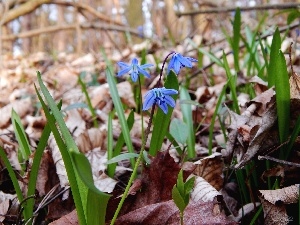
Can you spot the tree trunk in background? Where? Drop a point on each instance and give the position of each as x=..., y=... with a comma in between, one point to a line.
x=78, y=31
x=42, y=39
x=134, y=15
x=61, y=35
x=26, y=23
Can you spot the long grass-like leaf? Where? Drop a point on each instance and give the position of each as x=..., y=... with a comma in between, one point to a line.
x=110, y=140
x=120, y=111
x=232, y=84
x=162, y=120
x=120, y=142
x=274, y=58
x=13, y=178
x=77, y=196
x=282, y=88
x=293, y=137
x=236, y=38
x=35, y=166
x=213, y=120
x=20, y=135
x=97, y=200
x=188, y=119
x=88, y=99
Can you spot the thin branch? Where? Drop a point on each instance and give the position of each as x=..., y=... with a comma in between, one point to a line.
x=278, y=160
x=91, y=10
x=290, y=5
x=57, y=28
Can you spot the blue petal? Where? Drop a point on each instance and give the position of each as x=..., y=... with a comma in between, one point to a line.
x=135, y=61
x=145, y=73
x=170, y=101
x=171, y=64
x=149, y=100
x=123, y=65
x=134, y=76
x=145, y=66
x=177, y=66
x=191, y=59
x=184, y=61
x=163, y=106
x=124, y=71
x=166, y=91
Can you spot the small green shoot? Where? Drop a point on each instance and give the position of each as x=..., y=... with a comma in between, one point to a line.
x=188, y=120
x=181, y=193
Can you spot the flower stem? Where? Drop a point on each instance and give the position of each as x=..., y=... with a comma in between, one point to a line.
x=162, y=69
x=139, y=159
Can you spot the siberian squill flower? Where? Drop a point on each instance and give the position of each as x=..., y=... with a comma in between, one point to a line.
x=134, y=69
x=161, y=97
x=177, y=61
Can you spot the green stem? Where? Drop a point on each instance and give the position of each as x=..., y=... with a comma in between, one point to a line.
x=139, y=159
x=181, y=218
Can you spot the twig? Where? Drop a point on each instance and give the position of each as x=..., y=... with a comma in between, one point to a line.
x=278, y=160
x=282, y=29
x=289, y=5
x=56, y=28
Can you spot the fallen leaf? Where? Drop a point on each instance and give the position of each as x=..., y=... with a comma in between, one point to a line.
x=167, y=213
x=203, y=191
x=69, y=219
x=211, y=168
x=285, y=195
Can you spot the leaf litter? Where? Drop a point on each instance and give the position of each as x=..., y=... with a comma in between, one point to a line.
x=214, y=199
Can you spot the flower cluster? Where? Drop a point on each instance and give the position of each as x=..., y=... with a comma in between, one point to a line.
x=160, y=96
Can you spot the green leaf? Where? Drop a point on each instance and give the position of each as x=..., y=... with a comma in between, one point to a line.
x=189, y=185
x=295, y=14
x=121, y=157
x=78, y=190
x=96, y=200
x=180, y=183
x=179, y=130
x=274, y=58
x=282, y=88
x=24, y=146
x=162, y=120
x=188, y=119
x=236, y=38
x=120, y=112
x=177, y=198
x=120, y=143
x=13, y=178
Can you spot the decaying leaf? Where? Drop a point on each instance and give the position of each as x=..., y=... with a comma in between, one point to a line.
x=285, y=195
x=5, y=204
x=69, y=219
x=210, y=168
x=274, y=214
x=167, y=213
x=294, y=86
x=203, y=191
x=273, y=202
x=244, y=211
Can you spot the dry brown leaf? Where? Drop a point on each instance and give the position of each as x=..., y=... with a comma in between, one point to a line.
x=274, y=214
x=285, y=195
x=59, y=164
x=5, y=204
x=43, y=175
x=75, y=122
x=92, y=138
x=22, y=108
x=203, y=191
x=211, y=168
x=277, y=171
x=69, y=219
x=167, y=213
x=295, y=86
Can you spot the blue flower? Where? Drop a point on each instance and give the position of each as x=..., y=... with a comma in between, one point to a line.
x=134, y=69
x=177, y=61
x=161, y=97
